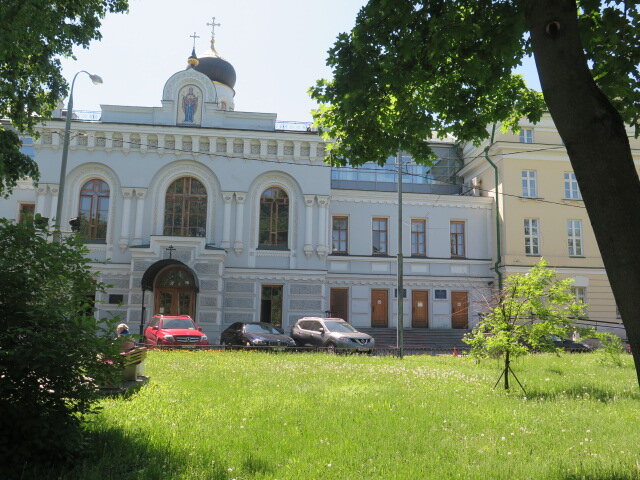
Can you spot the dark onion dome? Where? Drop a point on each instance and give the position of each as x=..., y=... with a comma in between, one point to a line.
x=217, y=69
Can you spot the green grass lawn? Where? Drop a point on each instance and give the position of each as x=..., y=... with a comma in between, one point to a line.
x=247, y=415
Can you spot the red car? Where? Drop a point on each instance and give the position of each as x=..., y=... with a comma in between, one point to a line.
x=174, y=330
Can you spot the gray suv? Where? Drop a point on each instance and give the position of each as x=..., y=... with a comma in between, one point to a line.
x=332, y=333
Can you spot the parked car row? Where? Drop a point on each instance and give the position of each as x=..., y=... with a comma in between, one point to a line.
x=332, y=333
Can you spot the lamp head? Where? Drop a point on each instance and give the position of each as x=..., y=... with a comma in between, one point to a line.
x=95, y=79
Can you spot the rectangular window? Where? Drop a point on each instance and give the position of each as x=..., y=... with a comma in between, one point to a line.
x=531, y=236
x=457, y=239
x=380, y=236
x=340, y=235
x=580, y=293
x=418, y=238
x=526, y=135
x=26, y=212
x=529, y=184
x=574, y=238
x=571, y=189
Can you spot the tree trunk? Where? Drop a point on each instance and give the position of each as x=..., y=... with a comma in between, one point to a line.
x=506, y=370
x=598, y=147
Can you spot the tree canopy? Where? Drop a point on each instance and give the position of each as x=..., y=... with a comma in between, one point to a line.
x=412, y=70
x=35, y=34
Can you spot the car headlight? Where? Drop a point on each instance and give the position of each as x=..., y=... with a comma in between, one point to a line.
x=169, y=338
x=259, y=342
x=203, y=338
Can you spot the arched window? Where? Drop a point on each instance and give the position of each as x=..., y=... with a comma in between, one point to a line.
x=185, y=208
x=274, y=218
x=94, y=210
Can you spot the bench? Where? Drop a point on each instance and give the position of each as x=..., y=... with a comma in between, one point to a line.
x=132, y=363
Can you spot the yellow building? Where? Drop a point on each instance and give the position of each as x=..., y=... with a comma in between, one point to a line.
x=541, y=213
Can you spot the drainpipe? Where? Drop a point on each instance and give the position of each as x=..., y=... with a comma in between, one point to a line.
x=498, y=246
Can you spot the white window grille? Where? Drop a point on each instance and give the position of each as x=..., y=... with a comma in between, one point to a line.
x=571, y=189
x=529, y=184
x=531, y=236
x=574, y=238
x=526, y=135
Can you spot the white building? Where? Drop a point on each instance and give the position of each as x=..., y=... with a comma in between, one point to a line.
x=195, y=208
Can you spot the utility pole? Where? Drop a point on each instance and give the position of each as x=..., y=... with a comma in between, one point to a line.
x=400, y=323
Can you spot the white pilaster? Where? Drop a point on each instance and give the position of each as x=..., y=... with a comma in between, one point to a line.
x=309, y=200
x=323, y=203
x=238, y=245
x=54, y=190
x=227, y=198
x=127, y=194
x=140, y=194
x=41, y=192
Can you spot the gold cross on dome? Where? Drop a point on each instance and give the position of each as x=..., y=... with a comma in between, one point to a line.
x=194, y=36
x=213, y=26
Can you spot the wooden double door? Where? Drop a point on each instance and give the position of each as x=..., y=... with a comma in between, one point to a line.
x=459, y=310
x=379, y=308
x=420, y=308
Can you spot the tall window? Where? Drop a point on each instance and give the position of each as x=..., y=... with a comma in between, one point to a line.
x=457, y=239
x=526, y=135
x=379, y=236
x=274, y=219
x=94, y=210
x=531, y=236
x=185, y=209
x=340, y=235
x=571, y=189
x=529, y=184
x=574, y=237
x=580, y=293
x=418, y=238
x=26, y=213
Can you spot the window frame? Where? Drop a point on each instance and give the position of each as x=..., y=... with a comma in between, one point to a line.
x=580, y=297
x=345, y=250
x=529, y=183
x=570, y=181
x=94, y=220
x=186, y=201
x=528, y=238
x=382, y=234
x=526, y=135
x=415, y=252
x=22, y=219
x=575, y=243
x=274, y=221
x=454, y=237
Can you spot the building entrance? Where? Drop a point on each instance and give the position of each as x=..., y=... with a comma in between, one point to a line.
x=175, y=292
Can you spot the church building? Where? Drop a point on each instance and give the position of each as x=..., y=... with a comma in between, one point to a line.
x=196, y=207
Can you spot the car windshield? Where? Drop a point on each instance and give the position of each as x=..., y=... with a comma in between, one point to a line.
x=334, y=326
x=261, y=328
x=178, y=323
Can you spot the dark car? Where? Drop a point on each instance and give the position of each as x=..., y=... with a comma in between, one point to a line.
x=569, y=345
x=332, y=333
x=174, y=330
x=258, y=334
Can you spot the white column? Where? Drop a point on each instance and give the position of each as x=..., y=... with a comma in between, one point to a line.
x=127, y=193
x=126, y=141
x=227, y=198
x=144, y=141
x=140, y=194
x=91, y=139
x=280, y=150
x=323, y=202
x=263, y=148
x=309, y=200
x=54, y=189
x=296, y=149
x=238, y=246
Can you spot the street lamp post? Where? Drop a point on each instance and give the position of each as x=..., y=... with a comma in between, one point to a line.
x=65, y=151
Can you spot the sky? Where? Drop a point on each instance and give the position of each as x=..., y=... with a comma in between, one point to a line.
x=278, y=49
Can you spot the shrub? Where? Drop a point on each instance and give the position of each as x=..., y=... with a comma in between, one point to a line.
x=51, y=346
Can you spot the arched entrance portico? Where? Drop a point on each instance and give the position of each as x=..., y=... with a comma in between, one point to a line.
x=174, y=292
x=174, y=287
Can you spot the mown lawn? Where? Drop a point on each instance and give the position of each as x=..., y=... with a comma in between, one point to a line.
x=247, y=415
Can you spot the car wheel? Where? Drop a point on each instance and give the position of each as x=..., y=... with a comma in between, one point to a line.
x=331, y=347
